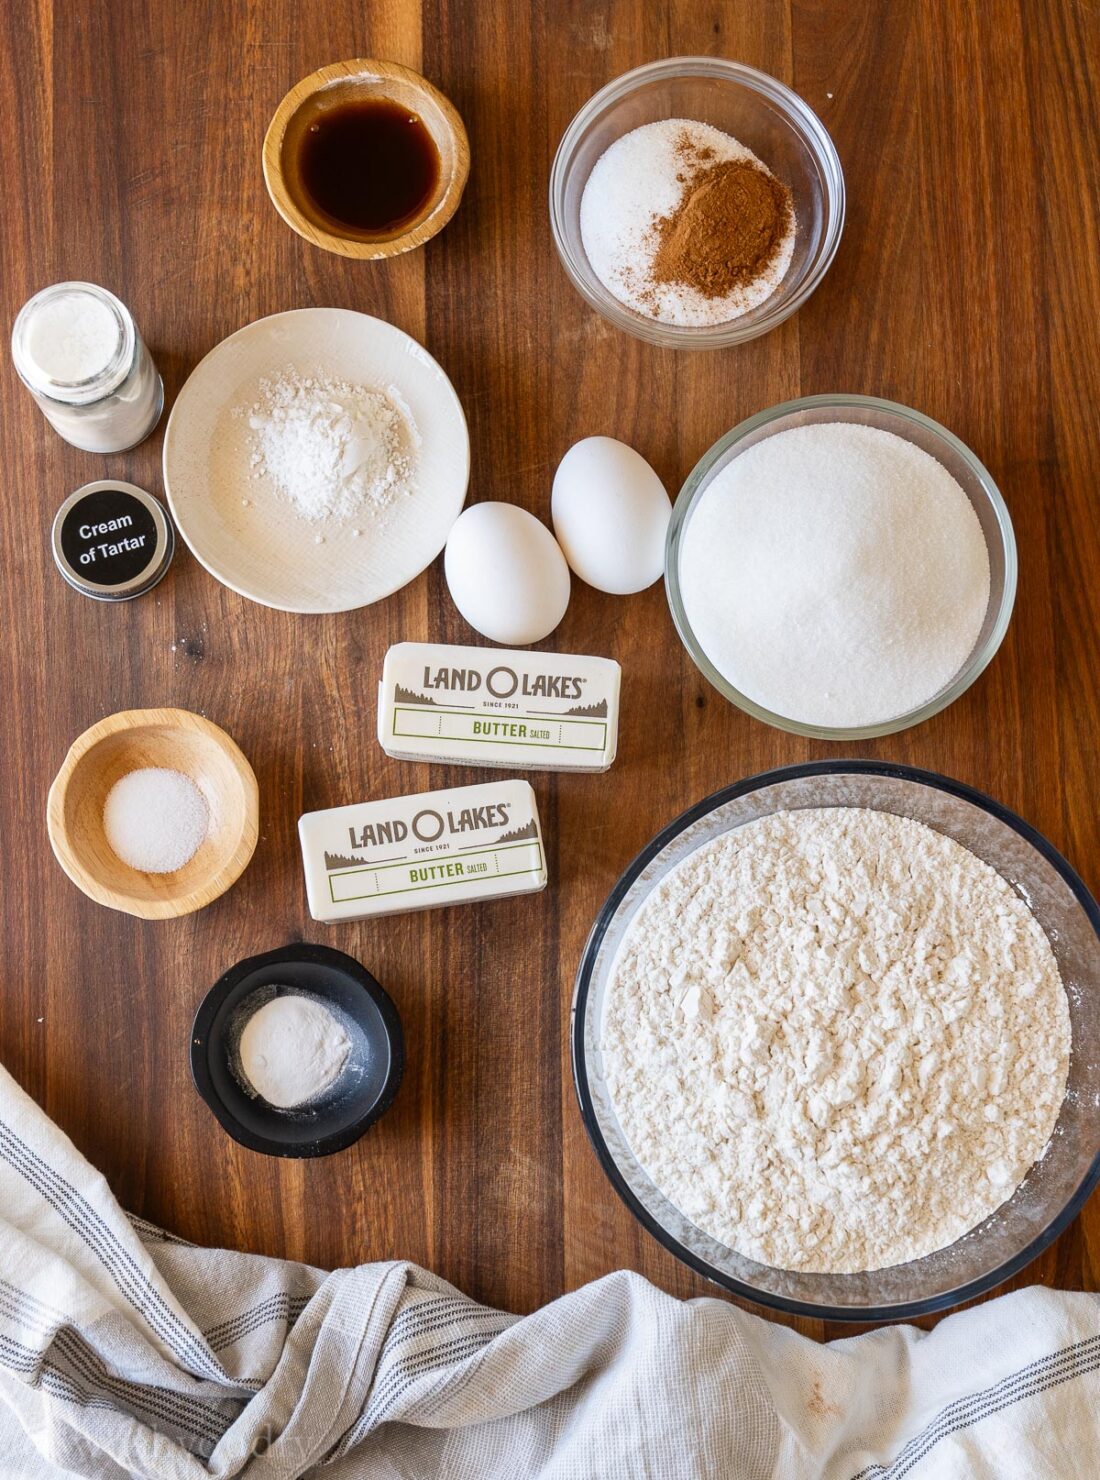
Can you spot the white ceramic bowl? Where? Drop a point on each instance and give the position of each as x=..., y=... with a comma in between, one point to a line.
x=253, y=540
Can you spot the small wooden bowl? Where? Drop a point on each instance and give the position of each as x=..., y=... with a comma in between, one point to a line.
x=124, y=742
x=343, y=82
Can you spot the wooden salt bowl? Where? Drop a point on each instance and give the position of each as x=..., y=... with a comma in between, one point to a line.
x=177, y=740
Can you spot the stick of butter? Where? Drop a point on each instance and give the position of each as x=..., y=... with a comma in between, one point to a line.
x=490, y=707
x=419, y=852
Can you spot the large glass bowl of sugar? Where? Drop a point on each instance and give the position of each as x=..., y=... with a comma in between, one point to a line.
x=1058, y=1185
x=903, y=422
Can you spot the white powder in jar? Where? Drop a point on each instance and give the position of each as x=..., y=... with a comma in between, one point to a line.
x=78, y=350
x=72, y=336
x=835, y=1039
x=332, y=449
x=640, y=178
x=836, y=574
x=292, y=1049
x=155, y=819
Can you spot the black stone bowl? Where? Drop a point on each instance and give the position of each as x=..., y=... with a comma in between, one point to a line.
x=361, y=1094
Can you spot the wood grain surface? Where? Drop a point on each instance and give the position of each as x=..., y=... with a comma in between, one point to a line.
x=967, y=285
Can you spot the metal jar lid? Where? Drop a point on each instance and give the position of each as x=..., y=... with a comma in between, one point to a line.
x=112, y=540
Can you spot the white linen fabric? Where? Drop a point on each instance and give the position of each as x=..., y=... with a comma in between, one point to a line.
x=125, y=1352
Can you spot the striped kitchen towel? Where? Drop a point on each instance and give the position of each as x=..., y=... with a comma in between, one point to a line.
x=125, y=1352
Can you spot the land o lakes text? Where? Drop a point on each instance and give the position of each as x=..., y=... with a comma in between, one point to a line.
x=428, y=825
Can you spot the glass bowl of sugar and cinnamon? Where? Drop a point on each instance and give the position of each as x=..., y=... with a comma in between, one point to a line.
x=696, y=202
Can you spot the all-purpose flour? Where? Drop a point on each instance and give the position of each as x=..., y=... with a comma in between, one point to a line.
x=836, y=1039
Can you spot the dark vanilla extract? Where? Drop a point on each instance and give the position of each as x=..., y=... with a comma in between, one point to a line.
x=371, y=164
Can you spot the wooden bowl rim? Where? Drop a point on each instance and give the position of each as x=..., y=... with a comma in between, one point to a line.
x=216, y=883
x=312, y=231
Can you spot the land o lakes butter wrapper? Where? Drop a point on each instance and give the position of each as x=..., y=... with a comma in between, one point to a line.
x=420, y=852
x=476, y=706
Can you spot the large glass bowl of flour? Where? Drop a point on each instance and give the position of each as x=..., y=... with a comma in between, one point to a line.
x=912, y=591
x=1057, y=1186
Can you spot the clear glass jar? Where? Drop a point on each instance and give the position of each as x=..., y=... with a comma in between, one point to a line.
x=78, y=351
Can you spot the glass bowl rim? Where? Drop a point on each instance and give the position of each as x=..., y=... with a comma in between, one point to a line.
x=792, y=107
x=976, y=664
x=902, y=1310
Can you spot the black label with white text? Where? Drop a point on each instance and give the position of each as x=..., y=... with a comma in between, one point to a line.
x=109, y=537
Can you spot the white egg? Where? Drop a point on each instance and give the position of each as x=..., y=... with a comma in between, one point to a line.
x=611, y=514
x=506, y=574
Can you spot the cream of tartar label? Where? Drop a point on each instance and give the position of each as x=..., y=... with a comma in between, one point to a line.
x=419, y=852
x=492, y=707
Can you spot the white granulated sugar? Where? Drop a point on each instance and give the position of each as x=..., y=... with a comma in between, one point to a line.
x=332, y=449
x=837, y=575
x=639, y=178
x=292, y=1049
x=155, y=819
x=836, y=1039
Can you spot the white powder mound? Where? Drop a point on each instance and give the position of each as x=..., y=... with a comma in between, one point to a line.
x=639, y=178
x=334, y=450
x=835, y=574
x=291, y=1050
x=836, y=1039
x=155, y=819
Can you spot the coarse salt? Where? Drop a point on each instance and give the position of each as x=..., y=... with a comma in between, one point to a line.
x=155, y=819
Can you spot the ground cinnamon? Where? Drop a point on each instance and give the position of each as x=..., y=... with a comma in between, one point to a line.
x=726, y=231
